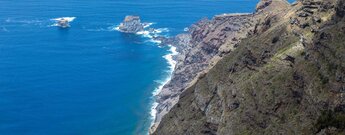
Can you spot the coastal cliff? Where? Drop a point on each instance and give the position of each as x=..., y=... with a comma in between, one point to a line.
x=199, y=49
x=280, y=70
x=131, y=24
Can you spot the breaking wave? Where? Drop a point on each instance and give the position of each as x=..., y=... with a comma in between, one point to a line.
x=69, y=19
x=172, y=63
x=151, y=34
x=148, y=32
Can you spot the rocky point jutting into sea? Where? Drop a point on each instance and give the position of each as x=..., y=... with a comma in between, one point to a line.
x=279, y=70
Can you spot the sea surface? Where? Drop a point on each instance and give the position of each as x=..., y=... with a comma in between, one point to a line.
x=88, y=79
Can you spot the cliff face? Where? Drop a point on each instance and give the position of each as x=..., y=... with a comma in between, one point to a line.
x=286, y=77
x=205, y=43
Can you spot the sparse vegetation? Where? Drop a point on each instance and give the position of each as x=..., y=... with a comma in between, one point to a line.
x=277, y=95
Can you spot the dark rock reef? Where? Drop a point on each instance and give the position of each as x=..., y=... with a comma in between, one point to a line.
x=281, y=70
x=131, y=24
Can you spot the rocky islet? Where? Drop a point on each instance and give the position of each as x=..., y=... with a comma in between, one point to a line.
x=131, y=24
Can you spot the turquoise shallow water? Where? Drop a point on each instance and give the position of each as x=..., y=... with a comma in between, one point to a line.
x=88, y=79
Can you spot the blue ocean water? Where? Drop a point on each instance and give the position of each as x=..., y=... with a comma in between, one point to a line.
x=88, y=79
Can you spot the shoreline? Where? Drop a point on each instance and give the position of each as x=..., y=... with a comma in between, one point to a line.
x=151, y=35
x=197, y=52
x=172, y=64
x=191, y=53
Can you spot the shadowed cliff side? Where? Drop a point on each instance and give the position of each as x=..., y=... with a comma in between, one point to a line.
x=287, y=77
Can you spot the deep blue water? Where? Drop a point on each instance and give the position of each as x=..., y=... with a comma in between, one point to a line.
x=88, y=79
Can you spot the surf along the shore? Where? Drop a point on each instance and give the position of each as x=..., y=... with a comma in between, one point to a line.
x=133, y=25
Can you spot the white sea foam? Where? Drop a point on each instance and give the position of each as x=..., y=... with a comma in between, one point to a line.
x=117, y=28
x=24, y=22
x=69, y=19
x=170, y=56
x=172, y=64
x=155, y=41
x=151, y=33
x=146, y=25
x=8, y=20
x=148, y=32
x=39, y=22
x=145, y=33
x=161, y=30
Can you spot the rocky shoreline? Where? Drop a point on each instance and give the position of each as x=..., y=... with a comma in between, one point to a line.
x=199, y=49
x=205, y=43
x=285, y=75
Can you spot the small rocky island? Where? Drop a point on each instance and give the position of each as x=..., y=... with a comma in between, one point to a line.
x=131, y=24
x=63, y=23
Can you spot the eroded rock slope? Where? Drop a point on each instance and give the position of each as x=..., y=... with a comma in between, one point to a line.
x=286, y=77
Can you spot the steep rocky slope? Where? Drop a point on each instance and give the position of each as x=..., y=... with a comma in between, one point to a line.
x=286, y=77
x=198, y=50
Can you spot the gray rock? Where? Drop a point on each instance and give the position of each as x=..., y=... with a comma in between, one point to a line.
x=131, y=24
x=63, y=23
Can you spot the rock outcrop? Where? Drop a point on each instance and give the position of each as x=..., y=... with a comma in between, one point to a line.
x=63, y=23
x=271, y=5
x=285, y=74
x=131, y=24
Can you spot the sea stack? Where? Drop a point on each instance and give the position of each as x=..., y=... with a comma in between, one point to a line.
x=131, y=24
